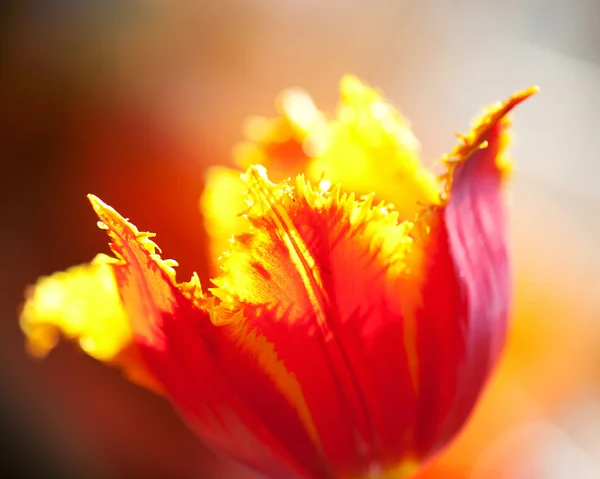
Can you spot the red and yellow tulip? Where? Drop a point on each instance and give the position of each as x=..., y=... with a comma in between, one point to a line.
x=344, y=337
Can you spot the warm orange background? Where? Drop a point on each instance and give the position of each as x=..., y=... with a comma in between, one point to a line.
x=132, y=100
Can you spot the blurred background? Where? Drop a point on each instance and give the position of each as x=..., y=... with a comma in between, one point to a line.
x=132, y=100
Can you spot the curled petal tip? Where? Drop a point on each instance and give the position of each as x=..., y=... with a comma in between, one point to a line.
x=502, y=109
x=519, y=97
x=527, y=92
x=489, y=133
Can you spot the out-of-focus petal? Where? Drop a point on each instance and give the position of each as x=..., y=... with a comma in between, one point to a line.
x=371, y=148
x=225, y=379
x=83, y=304
x=367, y=146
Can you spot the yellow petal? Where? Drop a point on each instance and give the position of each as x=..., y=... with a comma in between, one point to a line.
x=372, y=149
x=81, y=303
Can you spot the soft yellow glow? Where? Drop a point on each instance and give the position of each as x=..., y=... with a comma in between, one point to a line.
x=324, y=185
x=302, y=111
x=83, y=304
x=372, y=149
x=221, y=203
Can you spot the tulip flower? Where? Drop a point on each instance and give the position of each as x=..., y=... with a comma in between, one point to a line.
x=343, y=337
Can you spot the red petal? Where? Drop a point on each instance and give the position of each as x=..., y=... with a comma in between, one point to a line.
x=225, y=380
x=463, y=308
x=318, y=277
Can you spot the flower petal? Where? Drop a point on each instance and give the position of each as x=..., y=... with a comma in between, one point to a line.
x=462, y=306
x=83, y=304
x=371, y=148
x=226, y=380
x=318, y=277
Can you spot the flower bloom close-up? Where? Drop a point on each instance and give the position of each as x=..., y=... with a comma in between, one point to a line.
x=349, y=330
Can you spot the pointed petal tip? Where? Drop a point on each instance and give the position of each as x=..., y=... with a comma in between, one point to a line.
x=527, y=92
x=500, y=111
x=105, y=212
x=109, y=217
x=96, y=202
x=478, y=139
x=519, y=97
